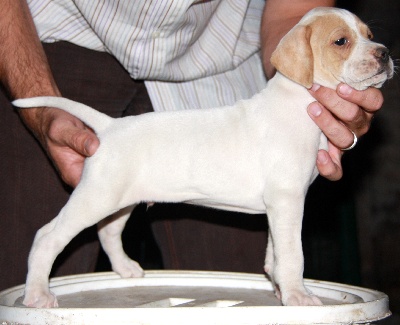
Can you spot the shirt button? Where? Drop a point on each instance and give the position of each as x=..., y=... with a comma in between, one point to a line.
x=156, y=34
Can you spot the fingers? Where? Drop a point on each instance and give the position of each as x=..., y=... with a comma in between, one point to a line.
x=68, y=142
x=338, y=112
x=349, y=114
x=68, y=163
x=83, y=142
x=336, y=132
x=66, y=130
x=69, y=151
x=342, y=115
x=329, y=163
x=369, y=100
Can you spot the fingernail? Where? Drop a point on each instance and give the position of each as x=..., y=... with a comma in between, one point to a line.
x=345, y=89
x=315, y=87
x=314, y=109
x=321, y=158
x=87, y=147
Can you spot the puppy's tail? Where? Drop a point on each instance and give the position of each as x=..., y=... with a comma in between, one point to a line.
x=96, y=120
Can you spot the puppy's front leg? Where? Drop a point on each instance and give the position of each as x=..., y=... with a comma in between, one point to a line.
x=110, y=230
x=269, y=264
x=285, y=261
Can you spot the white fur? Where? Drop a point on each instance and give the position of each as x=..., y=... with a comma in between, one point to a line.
x=257, y=156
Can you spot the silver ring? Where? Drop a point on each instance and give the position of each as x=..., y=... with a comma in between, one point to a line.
x=354, y=142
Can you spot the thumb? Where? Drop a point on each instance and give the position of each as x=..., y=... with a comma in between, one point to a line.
x=84, y=142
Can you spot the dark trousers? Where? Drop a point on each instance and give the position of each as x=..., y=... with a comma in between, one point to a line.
x=31, y=192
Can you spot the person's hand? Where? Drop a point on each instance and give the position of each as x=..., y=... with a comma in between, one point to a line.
x=66, y=139
x=338, y=114
x=25, y=72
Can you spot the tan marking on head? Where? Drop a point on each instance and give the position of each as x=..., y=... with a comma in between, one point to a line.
x=332, y=42
x=308, y=54
x=294, y=58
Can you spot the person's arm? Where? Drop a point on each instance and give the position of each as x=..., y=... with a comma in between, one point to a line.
x=336, y=112
x=23, y=66
x=25, y=72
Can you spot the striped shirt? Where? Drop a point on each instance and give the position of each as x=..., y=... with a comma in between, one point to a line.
x=191, y=53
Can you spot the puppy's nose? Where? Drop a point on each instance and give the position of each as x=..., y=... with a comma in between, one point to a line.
x=382, y=54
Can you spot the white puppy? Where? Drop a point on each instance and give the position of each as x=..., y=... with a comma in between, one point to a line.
x=257, y=156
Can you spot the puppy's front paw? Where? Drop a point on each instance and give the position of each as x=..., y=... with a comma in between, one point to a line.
x=300, y=298
x=40, y=300
x=128, y=268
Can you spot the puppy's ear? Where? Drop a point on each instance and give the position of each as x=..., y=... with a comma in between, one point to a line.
x=293, y=56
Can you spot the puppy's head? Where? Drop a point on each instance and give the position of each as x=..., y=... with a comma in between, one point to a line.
x=329, y=46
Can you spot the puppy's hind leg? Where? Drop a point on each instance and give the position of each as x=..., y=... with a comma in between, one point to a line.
x=37, y=293
x=110, y=230
x=49, y=241
x=84, y=209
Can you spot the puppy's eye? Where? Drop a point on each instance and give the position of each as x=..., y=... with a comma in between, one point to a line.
x=370, y=36
x=341, y=41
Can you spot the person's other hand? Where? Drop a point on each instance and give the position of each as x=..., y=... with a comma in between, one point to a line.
x=338, y=114
x=66, y=139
